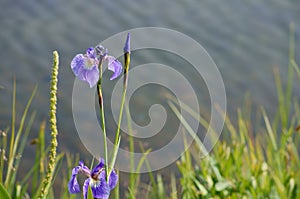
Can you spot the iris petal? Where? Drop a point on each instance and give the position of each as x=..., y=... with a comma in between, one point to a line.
x=84, y=169
x=96, y=180
x=77, y=63
x=115, y=66
x=99, y=166
x=91, y=53
x=73, y=185
x=92, y=76
x=86, y=187
x=100, y=189
x=113, y=179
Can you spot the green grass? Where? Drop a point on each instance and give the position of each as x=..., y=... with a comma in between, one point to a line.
x=255, y=160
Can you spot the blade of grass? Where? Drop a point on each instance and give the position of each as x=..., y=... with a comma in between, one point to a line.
x=2, y=153
x=3, y=193
x=173, y=187
x=160, y=186
x=296, y=67
x=269, y=130
x=228, y=123
x=196, y=139
x=13, y=121
x=16, y=142
x=131, y=149
x=134, y=176
x=30, y=172
x=40, y=148
x=194, y=114
x=136, y=172
x=22, y=146
x=90, y=193
x=151, y=176
x=188, y=128
x=281, y=99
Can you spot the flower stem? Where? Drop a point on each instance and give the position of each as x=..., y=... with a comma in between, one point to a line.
x=118, y=138
x=101, y=105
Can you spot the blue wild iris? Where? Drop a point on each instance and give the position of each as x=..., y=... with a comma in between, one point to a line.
x=86, y=66
x=95, y=180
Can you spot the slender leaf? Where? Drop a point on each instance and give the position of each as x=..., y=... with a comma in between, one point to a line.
x=3, y=193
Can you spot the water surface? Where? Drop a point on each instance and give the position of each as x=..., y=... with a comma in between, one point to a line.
x=246, y=39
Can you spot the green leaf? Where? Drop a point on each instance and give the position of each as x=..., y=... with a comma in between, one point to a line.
x=90, y=193
x=3, y=193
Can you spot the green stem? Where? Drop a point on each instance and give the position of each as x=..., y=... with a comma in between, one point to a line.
x=118, y=138
x=101, y=105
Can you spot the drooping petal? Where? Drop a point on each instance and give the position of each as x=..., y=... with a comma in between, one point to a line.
x=92, y=76
x=77, y=63
x=86, y=187
x=73, y=185
x=113, y=179
x=115, y=66
x=84, y=169
x=100, y=188
x=127, y=44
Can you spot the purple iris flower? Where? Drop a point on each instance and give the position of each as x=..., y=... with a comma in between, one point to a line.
x=85, y=66
x=96, y=180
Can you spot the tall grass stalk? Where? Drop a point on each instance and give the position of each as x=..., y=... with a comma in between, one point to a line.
x=43, y=192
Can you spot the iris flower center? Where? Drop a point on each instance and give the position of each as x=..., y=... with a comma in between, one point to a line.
x=94, y=183
x=89, y=63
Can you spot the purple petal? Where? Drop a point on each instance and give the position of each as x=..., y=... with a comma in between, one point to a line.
x=76, y=170
x=81, y=164
x=99, y=166
x=77, y=63
x=127, y=44
x=90, y=52
x=73, y=185
x=101, y=162
x=92, y=76
x=84, y=169
x=82, y=73
x=100, y=189
x=115, y=66
x=86, y=188
x=113, y=179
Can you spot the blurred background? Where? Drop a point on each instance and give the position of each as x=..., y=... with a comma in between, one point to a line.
x=246, y=39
